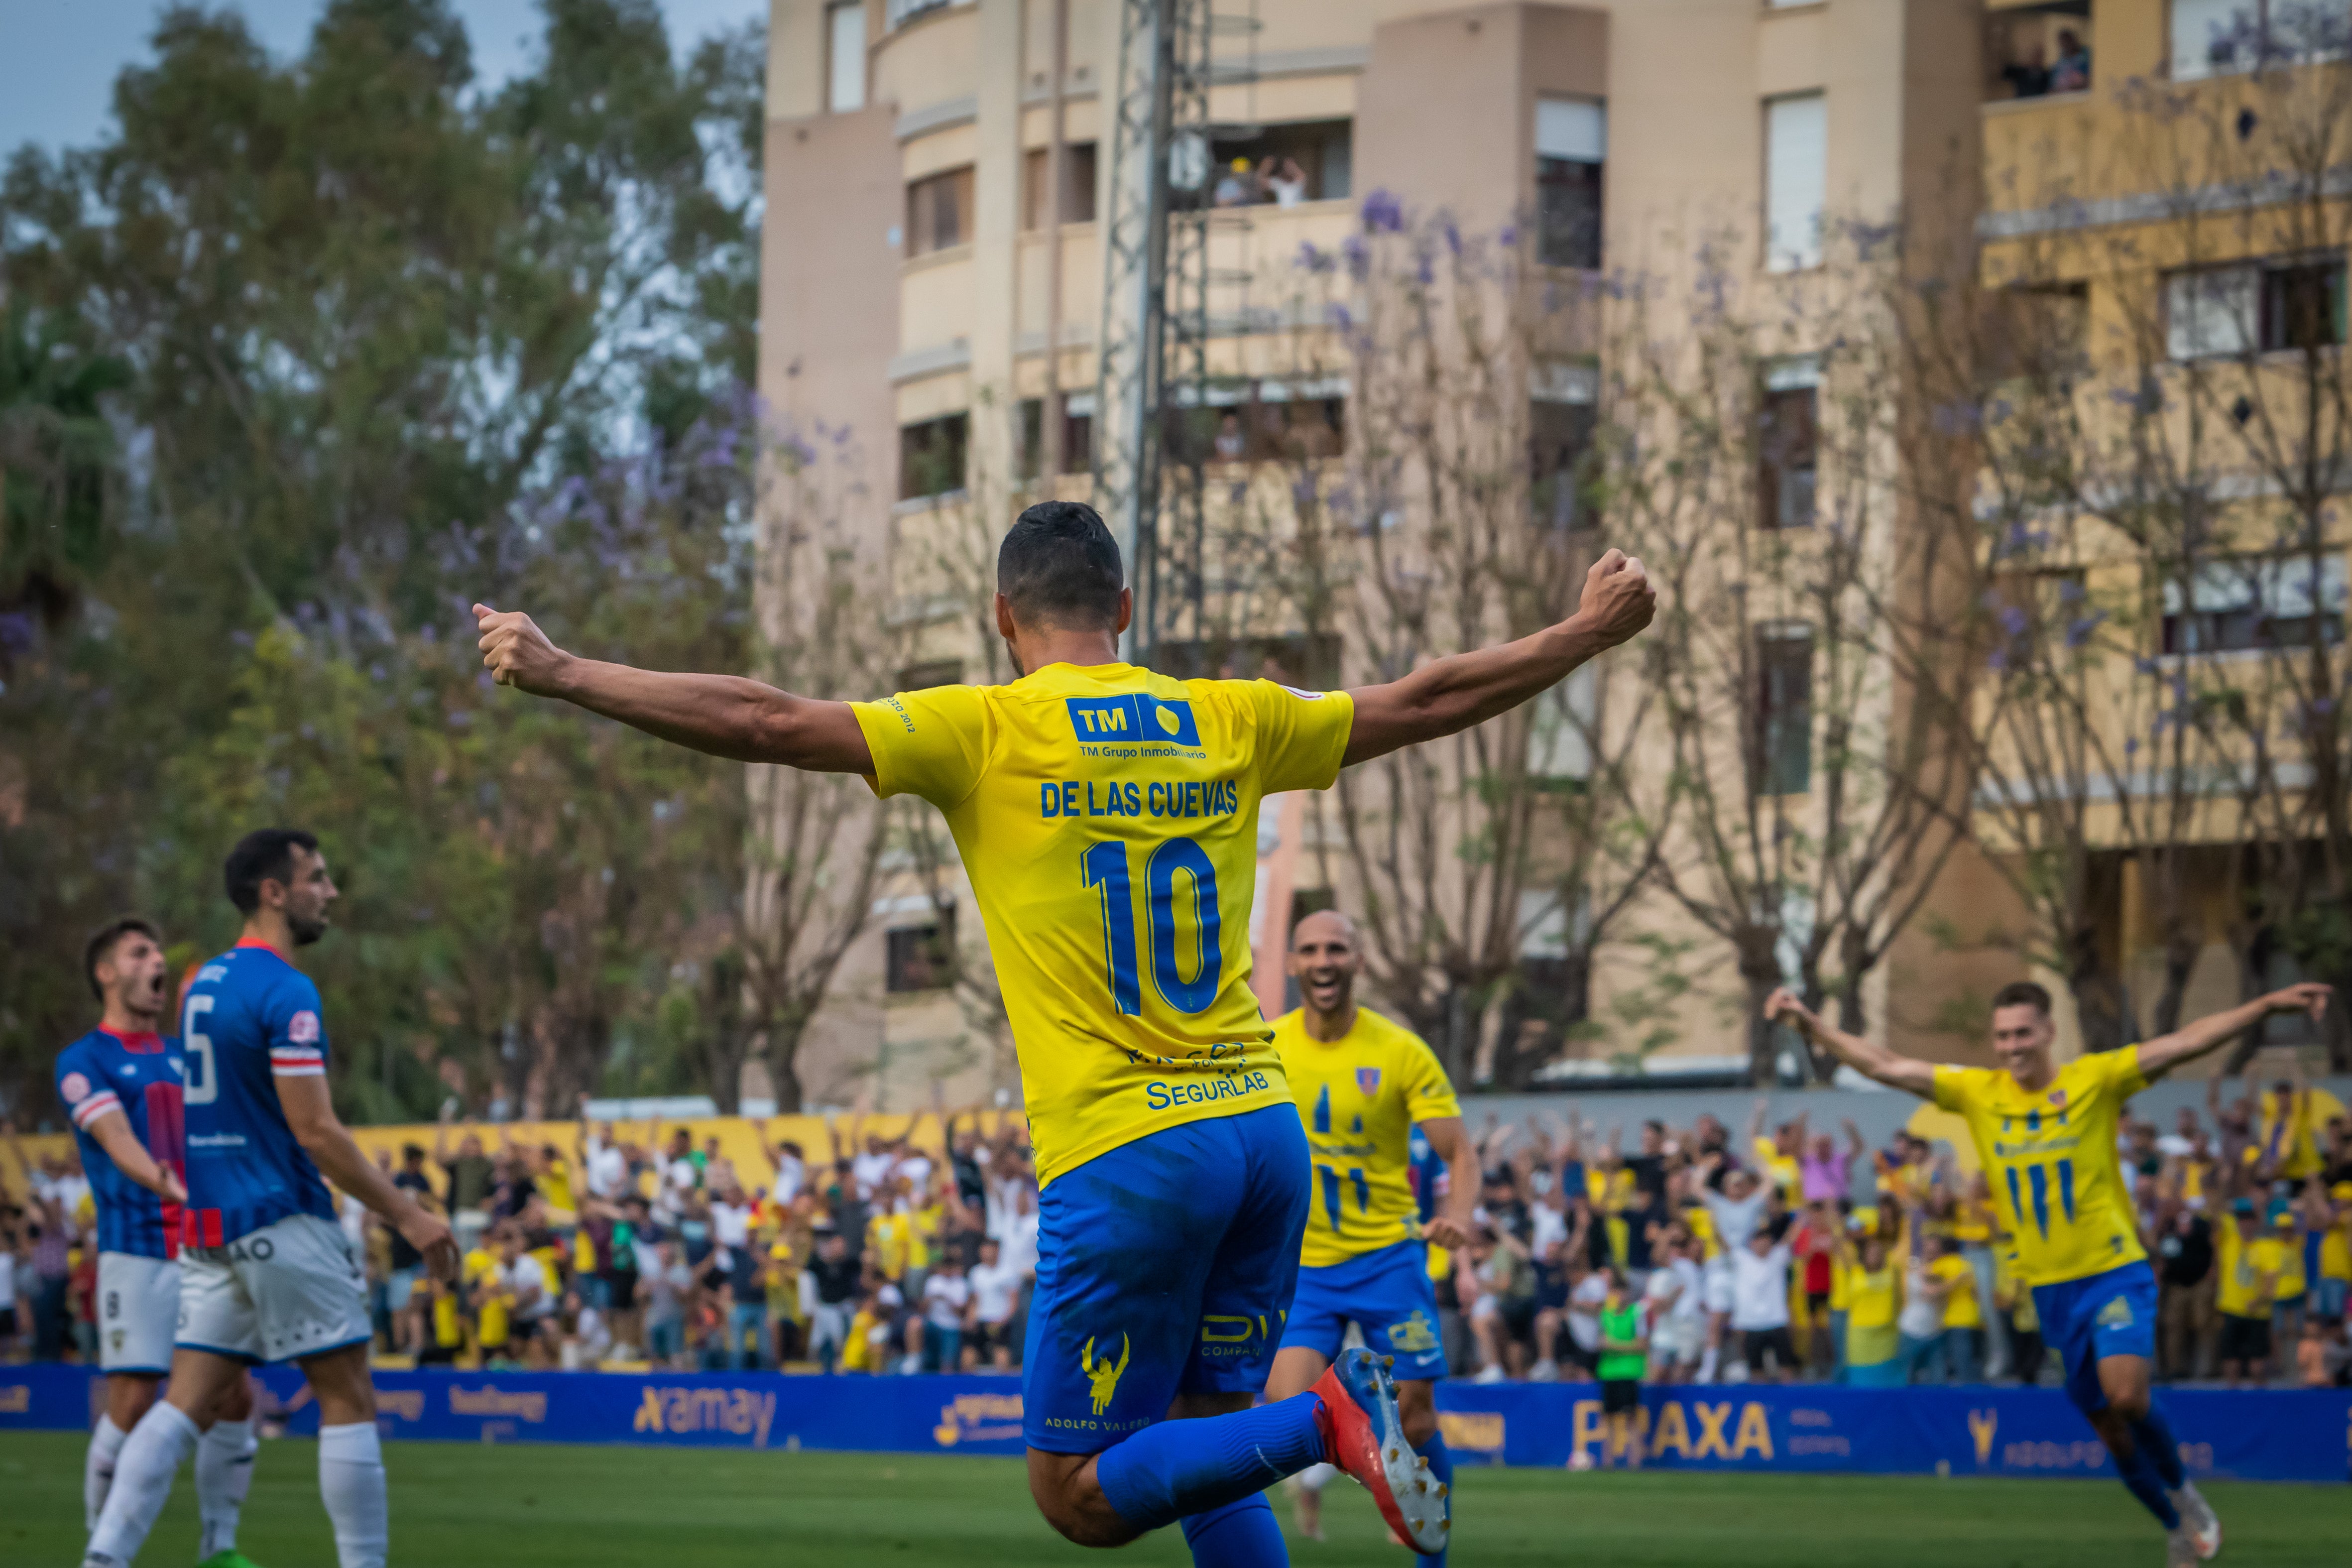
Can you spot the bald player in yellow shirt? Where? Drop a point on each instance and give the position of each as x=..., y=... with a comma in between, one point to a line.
x=1363, y=1084
x=2046, y=1137
x=1106, y=818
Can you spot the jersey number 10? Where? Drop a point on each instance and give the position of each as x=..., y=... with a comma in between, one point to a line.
x=1104, y=865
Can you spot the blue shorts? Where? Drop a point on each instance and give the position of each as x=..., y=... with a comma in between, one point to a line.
x=1164, y=1268
x=1387, y=1293
x=2107, y=1314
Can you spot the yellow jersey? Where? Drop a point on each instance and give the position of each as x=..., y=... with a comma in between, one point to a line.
x=1107, y=821
x=2250, y=1270
x=1782, y=1168
x=1360, y=1096
x=1961, y=1308
x=2051, y=1154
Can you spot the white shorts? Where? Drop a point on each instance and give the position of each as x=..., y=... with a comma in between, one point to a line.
x=1718, y=1287
x=291, y=1289
x=137, y=1307
x=1673, y=1341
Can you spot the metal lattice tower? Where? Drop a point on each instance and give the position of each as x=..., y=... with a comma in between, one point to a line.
x=1152, y=358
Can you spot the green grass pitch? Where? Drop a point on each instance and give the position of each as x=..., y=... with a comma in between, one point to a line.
x=549, y=1506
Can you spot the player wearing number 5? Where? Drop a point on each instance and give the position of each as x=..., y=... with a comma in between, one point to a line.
x=2046, y=1135
x=1106, y=817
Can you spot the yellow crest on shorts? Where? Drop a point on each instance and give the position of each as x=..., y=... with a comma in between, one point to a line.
x=1104, y=1374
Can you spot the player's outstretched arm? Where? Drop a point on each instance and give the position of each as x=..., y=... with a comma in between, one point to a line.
x=1449, y=695
x=310, y=1117
x=113, y=1134
x=1450, y=1142
x=1876, y=1062
x=2193, y=1040
x=725, y=715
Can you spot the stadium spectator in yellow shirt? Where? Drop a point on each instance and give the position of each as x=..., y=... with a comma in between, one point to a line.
x=1963, y=1314
x=2250, y=1261
x=1106, y=817
x=2047, y=1135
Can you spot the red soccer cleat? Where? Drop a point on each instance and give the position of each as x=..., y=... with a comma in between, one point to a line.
x=1363, y=1434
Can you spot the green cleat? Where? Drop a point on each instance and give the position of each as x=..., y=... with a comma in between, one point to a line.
x=229, y=1559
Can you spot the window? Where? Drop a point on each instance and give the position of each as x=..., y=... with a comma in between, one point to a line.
x=1796, y=180
x=931, y=456
x=2259, y=307
x=2214, y=37
x=1272, y=421
x=1571, y=147
x=937, y=672
x=1077, y=184
x=1784, y=708
x=1281, y=165
x=1788, y=444
x=844, y=46
x=1563, y=721
x=921, y=958
x=2035, y=330
x=2266, y=602
x=2033, y=51
x=939, y=211
x=900, y=12
x=1559, y=438
x=1077, y=434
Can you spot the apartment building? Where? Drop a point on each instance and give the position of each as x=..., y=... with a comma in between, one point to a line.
x=918, y=293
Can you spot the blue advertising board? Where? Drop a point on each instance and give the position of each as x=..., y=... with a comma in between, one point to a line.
x=2284, y=1434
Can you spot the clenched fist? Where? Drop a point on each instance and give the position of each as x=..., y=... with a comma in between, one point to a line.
x=517, y=653
x=1618, y=598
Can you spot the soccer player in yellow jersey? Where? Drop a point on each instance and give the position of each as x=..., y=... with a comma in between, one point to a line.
x=1363, y=1084
x=2046, y=1136
x=1106, y=817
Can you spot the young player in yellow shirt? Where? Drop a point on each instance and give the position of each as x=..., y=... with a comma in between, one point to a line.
x=1106, y=817
x=2046, y=1137
x=1363, y=1084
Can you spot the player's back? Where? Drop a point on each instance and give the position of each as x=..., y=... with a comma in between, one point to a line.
x=2051, y=1157
x=250, y=1017
x=139, y=1075
x=1362, y=1096
x=1108, y=820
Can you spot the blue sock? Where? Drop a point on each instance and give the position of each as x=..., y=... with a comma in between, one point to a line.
x=1239, y=1535
x=1178, y=1468
x=1441, y=1465
x=2152, y=1436
x=2139, y=1473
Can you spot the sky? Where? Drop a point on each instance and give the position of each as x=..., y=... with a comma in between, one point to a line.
x=58, y=61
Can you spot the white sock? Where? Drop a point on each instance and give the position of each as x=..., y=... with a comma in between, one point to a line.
x=1706, y=1365
x=1315, y=1478
x=97, y=1469
x=223, y=1474
x=351, y=1480
x=151, y=1456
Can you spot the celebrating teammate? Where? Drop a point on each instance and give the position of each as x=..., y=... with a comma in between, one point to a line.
x=1363, y=1084
x=120, y=1084
x=2046, y=1135
x=265, y=1271
x=1108, y=818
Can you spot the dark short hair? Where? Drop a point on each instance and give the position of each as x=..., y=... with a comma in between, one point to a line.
x=101, y=946
x=2022, y=993
x=1059, y=566
x=266, y=854
x=411, y=1150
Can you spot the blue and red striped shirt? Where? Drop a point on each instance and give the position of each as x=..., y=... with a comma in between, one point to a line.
x=138, y=1076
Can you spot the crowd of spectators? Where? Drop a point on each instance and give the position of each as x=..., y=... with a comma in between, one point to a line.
x=1790, y=1255
x=1794, y=1255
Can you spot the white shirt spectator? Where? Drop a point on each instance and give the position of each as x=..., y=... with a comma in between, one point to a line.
x=1547, y=1228
x=588, y=1343
x=916, y=1171
x=1018, y=1248
x=1735, y=1218
x=1003, y=1200
x=731, y=1224
x=665, y=1291
x=679, y=1177
x=354, y=1216
x=1759, y=1289
x=996, y=1287
x=7, y=1282
x=1922, y=1315
x=526, y=1280
x=945, y=1296
x=1676, y=1290
x=1584, y=1311
x=789, y=1175
x=1286, y=193
x=870, y=1170
x=608, y=1169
